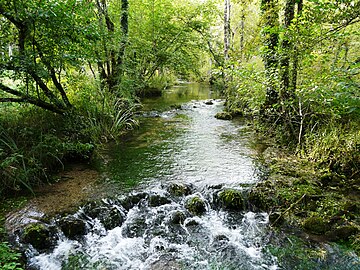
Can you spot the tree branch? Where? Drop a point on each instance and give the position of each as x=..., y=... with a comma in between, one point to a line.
x=28, y=99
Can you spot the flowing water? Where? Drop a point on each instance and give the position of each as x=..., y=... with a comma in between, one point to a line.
x=144, y=225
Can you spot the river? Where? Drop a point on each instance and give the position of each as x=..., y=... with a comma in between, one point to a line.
x=179, y=143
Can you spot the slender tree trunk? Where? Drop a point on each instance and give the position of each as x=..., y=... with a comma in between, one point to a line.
x=227, y=31
x=270, y=41
x=242, y=32
x=294, y=71
x=285, y=91
x=124, y=21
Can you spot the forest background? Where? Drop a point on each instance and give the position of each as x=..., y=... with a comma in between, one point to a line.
x=73, y=71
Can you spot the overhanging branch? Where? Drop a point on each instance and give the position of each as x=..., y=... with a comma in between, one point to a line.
x=21, y=97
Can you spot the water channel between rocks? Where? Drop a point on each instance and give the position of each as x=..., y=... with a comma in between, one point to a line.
x=179, y=153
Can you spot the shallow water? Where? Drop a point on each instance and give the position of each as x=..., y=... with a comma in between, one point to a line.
x=184, y=145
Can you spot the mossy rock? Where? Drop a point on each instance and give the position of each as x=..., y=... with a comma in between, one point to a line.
x=111, y=218
x=342, y=232
x=157, y=200
x=231, y=199
x=178, y=217
x=315, y=225
x=179, y=190
x=133, y=200
x=38, y=235
x=223, y=116
x=262, y=197
x=72, y=227
x=195, y=206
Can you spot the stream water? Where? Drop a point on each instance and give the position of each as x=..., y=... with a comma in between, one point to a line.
x=144, y=224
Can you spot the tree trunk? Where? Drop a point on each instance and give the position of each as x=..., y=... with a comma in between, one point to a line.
x=294, y=71
x=285, y=91
x=270, y=41
x=227, y=30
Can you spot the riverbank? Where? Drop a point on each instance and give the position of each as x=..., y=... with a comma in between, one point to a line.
x=302, y=194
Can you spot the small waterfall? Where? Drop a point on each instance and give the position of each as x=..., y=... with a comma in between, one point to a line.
x=159, y=232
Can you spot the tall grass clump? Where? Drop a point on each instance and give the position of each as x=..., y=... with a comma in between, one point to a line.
x=34, y=143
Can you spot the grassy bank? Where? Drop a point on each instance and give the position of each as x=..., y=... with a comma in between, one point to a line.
x=302, y=192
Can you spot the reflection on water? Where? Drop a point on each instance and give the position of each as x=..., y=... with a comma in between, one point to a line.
x=187, y=145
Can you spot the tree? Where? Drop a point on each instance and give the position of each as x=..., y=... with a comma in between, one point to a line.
x=44, y=39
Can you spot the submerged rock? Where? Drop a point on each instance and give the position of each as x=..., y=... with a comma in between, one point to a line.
x=230, y=199
x=195, y=206
x=38, y=235
x=72, y=227
x=209, y=102
x=223, y=116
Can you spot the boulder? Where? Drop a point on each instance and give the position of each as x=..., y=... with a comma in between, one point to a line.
x=133, y=200
x=223, y=116
x=230, y=199
x=38, y=235
x=72, y=227
x=177, y=217
x=342, y=232
x=315, y=225
x=179, y=189
x=195, y=206
x=209, y=102
x=157, y=200
x=112, y=217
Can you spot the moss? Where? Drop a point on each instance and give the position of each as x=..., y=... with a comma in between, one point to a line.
x=223, y=116
x=231, y=199
x=38, y=235
x=178, y=190
x=315, y=225
x=196, y=206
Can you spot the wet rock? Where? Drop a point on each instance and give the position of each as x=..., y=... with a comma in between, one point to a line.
x=230, y=199
x=177, y=217
x=221, y=237
x=133, y=200
x=315, y=225
x=165, y=262
x=342, y=233
x=176, y=106
x=135, y=227
x=72, y=227
x=111, y=218
x=157, y=200
x=195, y=206
x=223, y=116
x=209, y=102
x=179, y=189
x=38, y=235
x=219, y=186
x=192, y=222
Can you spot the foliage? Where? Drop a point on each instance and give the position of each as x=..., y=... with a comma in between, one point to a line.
x=9, y=259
